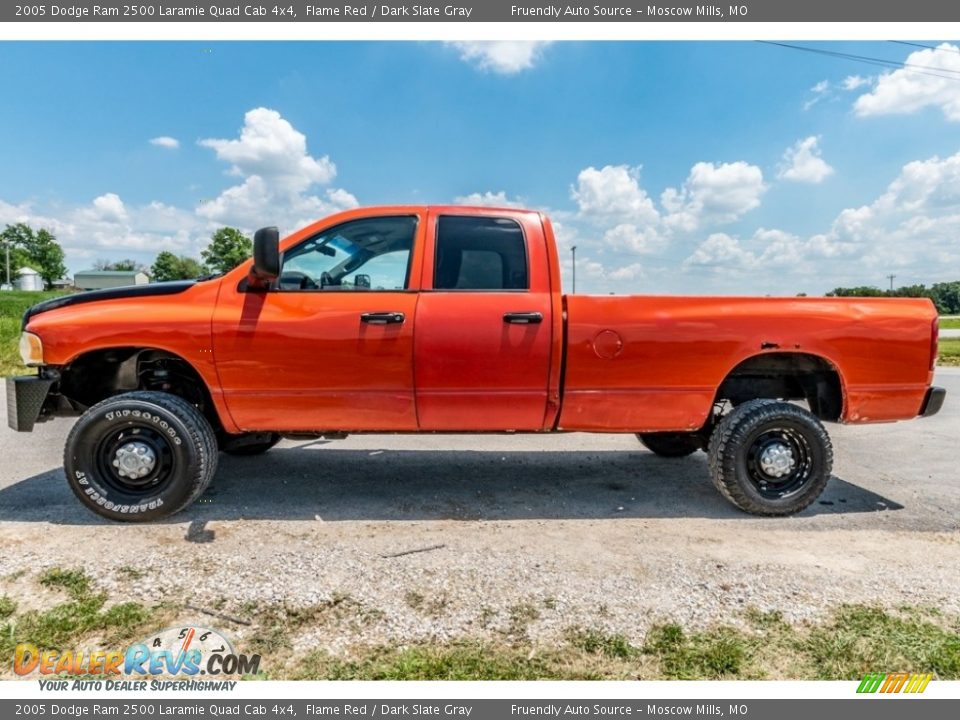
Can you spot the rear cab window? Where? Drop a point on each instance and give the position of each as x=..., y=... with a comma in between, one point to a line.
x=480, y=253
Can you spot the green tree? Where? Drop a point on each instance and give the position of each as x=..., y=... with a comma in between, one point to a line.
x=168, y=266
x=125, y=265
x=38, y=249
x=228, y=248
x=861, y=291
x=946, y=296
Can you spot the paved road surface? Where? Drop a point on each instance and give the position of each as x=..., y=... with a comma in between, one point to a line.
x=591, y=529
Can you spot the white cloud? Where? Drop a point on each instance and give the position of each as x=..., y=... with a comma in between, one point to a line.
x=766, y=250
x=820, y=91
x=721, y=250
x=271, y=148
x=109, y=207
x=713, y=194
x=506, y=57
x=933, y=83
x=912, y=227
x=635, y=239
x=278, y=184
x=107, y=227
x=613, y=193
x=634, y=271
x=802, y=162
x=489, y=199
x=853, y=82
x=916, y=221
x=165, y=141
x=278, y=172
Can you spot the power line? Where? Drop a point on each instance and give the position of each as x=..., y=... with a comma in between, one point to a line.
x=923, y=45
x=866, y=59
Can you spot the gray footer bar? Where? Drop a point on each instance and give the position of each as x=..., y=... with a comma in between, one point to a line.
x=874, y=707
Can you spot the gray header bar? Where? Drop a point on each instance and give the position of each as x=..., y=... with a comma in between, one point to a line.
x=320, y=11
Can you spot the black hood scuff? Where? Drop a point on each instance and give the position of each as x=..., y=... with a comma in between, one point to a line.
x=163, y=288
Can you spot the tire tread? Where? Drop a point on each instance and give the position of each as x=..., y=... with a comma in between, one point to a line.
x=732, y=431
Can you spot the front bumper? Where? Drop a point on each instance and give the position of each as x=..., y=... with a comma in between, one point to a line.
x=933, y=401
x=26, y=397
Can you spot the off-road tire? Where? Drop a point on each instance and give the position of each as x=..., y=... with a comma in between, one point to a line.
x=235, y=445
x=670, y=444
x=185, y=445
x=733, y=462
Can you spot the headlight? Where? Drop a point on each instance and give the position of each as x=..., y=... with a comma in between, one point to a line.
x=31, y=349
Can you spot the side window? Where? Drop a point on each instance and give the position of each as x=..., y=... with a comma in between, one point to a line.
x=368, y=254
x=479, y=253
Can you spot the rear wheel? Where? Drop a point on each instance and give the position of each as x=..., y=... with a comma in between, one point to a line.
x=140, y=456
x=672, y=445
x=769, y=457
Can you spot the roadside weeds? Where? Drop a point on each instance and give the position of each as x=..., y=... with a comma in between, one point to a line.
x=853, y=640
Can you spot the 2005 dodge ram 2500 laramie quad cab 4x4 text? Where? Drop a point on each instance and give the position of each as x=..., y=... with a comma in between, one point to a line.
x=451, y=319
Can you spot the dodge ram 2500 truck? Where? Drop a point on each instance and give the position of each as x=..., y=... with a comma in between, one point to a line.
x=451, y=319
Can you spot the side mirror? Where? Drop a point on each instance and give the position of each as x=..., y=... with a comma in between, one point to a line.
x=266, y=258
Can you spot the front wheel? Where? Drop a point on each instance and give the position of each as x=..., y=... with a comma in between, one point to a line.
x=140, y=456
x=770, y=458
x=670, y=444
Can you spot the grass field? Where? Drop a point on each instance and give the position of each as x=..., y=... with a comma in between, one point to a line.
x=949, y=352
x=950, y=323
x=12, y=307
x=848, y=642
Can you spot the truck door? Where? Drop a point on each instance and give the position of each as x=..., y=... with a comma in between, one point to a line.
x=331, y=346
x=483, y=341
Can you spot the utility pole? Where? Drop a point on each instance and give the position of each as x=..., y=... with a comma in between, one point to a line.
x=891, y=279
x=573, y=250
x=7, y=246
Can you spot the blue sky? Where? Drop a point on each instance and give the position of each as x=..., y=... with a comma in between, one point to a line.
x=689, y=167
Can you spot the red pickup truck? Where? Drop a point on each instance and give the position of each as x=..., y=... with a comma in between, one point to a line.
x=451, y=319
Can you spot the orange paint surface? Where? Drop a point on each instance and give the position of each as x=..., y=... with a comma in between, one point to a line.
x=303, y=361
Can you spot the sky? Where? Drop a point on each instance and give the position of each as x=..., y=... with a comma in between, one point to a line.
x=674, y=167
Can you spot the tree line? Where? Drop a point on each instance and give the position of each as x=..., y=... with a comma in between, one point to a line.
x=229, y=247
x=945, y=295
x=40, y=250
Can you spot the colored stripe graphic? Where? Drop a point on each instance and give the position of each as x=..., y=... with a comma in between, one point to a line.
x=894, y=682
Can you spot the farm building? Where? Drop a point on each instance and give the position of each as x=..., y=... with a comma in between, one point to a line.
x=99, y=279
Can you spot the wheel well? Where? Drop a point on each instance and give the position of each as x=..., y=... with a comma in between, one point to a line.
x=100, y=374
x=786, y=376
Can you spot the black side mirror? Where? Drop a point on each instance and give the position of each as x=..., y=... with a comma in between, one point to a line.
x=266, y=258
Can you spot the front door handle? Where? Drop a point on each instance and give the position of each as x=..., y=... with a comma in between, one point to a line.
x=382, y=318
x=523, y=318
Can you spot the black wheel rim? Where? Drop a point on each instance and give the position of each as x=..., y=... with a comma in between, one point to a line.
x=160, y=473
x=779, y=462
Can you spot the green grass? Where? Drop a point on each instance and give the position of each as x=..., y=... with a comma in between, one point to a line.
x=951, y=323
x=949, y=352
x=12, y=306
x=852, y=641
x=855, y=640
x=66, y=624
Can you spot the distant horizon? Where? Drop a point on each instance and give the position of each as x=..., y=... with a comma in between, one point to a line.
x=674, y=167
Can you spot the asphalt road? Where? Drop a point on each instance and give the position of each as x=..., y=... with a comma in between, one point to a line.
x=592, y=527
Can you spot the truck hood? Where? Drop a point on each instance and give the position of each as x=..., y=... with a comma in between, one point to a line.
x=164, y=288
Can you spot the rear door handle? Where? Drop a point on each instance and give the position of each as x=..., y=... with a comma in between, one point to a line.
x=382, y=318
x=523, y=318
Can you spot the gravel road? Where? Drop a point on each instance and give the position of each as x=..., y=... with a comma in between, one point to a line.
x=564, y=530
